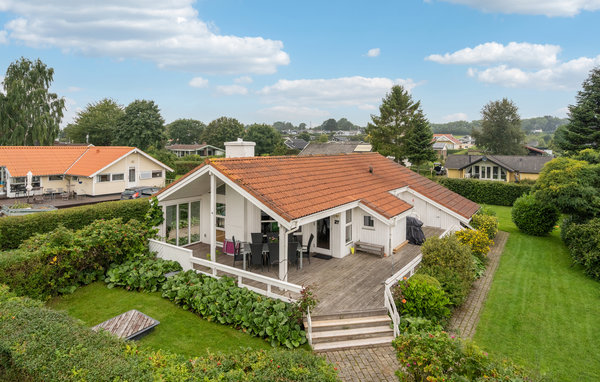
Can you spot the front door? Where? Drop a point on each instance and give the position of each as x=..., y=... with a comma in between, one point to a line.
x=131, y=177
x=323, y=231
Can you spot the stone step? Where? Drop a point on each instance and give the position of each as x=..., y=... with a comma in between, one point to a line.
x=353, y=344
x=350, y=314
x=350, y=323
x=351, y=334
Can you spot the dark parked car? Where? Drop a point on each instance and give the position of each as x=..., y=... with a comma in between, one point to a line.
x=138, y=192
x=439, y=169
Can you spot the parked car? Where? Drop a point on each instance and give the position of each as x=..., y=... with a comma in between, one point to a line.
x=138, y=192
x=439, y=169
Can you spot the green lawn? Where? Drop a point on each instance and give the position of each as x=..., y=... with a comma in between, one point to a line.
x=541, y=311
x=179, y=331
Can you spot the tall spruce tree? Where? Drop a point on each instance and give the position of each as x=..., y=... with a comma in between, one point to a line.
x=418, y=141
x=583, y=129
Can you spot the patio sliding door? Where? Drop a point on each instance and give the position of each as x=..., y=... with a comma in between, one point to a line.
x=182, y=223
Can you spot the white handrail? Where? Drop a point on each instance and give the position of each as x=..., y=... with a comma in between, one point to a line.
x=309, y=326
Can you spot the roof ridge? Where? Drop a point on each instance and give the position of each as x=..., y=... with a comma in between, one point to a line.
x=77, y=160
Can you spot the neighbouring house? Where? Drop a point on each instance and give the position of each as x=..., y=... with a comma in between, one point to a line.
x=340, y=199
x=534, y=151
x=295, y=143
x=204, y=150
x=332, y=148
x=84, y=170
x=505, y=168
x=451, y=142
x=467, y=142
x=441, y=149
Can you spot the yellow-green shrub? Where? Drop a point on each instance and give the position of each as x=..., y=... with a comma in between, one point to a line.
x=477, y=240
x=485, y=223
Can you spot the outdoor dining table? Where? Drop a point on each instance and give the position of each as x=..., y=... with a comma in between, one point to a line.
x=265, y=251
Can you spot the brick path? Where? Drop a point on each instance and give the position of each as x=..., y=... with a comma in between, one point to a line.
x=464, y=320
x=365, y=365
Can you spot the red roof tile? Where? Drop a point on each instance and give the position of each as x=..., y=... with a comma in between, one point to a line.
x=449, y=136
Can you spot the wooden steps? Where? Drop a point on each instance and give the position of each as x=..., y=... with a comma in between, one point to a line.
x=351, y=330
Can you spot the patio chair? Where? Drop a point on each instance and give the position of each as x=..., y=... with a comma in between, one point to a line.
x=299, y=239
x=293, y=253
x=273, y=254
x=257, y=237
x=256, y=257
x=306, y=253
x=237, y=251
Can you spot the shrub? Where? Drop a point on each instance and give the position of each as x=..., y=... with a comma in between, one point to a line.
x=222, y=301
x=145, y=274
x=477, y=241
x=451, y=263
x=16, y=229
x=421, y=296
x=40, y=344
x=533, y=216
x=184, y=166
x=488, y=224
x=57, y=262
x=487, y=191
x=409, y=324
x=439, y=356
x=584, y=245
x=485, y=210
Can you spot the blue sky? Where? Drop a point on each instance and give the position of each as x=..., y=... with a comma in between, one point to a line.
x=307, y=61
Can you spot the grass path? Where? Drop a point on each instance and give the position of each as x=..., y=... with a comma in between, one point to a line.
x=179, y=331
x=541, y=311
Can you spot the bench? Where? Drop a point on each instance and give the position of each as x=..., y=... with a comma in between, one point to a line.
x=375, y=249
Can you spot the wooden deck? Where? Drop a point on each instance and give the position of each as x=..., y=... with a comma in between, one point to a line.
x=128, y=325
x=353, y=283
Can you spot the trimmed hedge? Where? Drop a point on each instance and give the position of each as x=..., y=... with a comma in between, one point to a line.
x=39, y=344
x=486, y=191
x=583, y=241
x=57, y=262
x=184, y=166
x=16, y=229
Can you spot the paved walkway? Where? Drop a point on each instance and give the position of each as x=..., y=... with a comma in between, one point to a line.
x=464, y=320
x=365, y=365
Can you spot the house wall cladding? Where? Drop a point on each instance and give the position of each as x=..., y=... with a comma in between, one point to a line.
x=429, y=214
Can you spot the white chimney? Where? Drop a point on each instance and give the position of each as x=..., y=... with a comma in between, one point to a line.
x=239, y=149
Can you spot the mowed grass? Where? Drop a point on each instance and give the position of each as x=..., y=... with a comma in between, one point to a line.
x=541, y=311
x=179, y=331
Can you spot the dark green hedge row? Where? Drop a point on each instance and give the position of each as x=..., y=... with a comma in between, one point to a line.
x=39, y=344
x=583, y=241
x=16, y=229
x=59, y=261
x=184, y=166
x=487, y=191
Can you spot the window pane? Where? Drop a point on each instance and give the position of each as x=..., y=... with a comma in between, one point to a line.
x=348, y=233
x=221, y=190
x=220, y=222
x=495, y=172
x=221, y=209
x=118, y=176
x=171, y=222
x=157, y=174
x=183, y=223
x=349, y=216
x=195, y=222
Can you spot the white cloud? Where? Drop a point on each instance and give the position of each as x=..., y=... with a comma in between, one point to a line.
x=169, y=34
x=198, y=82
x=300, y=113
x=345, y=91
x=454, y=117
x=373, y=52
x=232, y=90
x=3, y=37
x=73, y=89
x=243, y=80
x=533, y=7
x=514, y=53
x=565, y=76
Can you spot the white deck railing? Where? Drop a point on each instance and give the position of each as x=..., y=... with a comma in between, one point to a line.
x=407, y=271
x=172, y=252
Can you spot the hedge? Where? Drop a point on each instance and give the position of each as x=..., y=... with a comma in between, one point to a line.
x=16, y=229
x=184, y=166
x=583, y=241
x=59, y=261
x=487, y=191
x=40, y=344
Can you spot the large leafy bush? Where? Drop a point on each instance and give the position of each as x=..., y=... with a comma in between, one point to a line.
x=534, y=216
x=451, y=263
x=16, y=229
x=439, y=356
x=57, y=262
x=583, y=241
x=421, y=296
x=222, y=301
x=487, y=224
x=144, y=274
x=39, y=344
x=487, y=191
x=477, y=241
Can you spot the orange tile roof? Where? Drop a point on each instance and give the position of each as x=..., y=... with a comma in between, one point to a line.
x=294, y=187
x=449, y=136
x=56, y=160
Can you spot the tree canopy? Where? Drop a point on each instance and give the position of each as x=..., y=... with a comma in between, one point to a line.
x=419, y=149
x=29, y=113
x=389, y=130
x=185, y=131
x=222, y=130
x=96, y=124
x=265, y=137
x=141, y=126
x=583, y=129
x=500, y=129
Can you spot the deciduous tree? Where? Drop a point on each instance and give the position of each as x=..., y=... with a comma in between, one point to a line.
x=141, y=126
x=96, y=124
x=500, y=129
x=265, y=137
x=222, y=130
x=185, y=131
x=29, y=113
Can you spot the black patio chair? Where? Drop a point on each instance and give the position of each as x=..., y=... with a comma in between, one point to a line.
x=237, y=251
x=257, y=237
x=293, y=253
x=256, y=258
x=273, y=254
x=307, y=252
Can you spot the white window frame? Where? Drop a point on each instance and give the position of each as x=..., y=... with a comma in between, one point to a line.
x=158, y=174
x=99, y=178
x=112, y=177
x=371, y=220
x=348, y=224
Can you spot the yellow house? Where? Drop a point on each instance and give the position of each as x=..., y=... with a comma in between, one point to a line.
x=505, y=168
x=82, y=170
